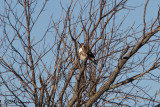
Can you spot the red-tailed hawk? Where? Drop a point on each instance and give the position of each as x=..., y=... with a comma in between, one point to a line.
x=83, y=54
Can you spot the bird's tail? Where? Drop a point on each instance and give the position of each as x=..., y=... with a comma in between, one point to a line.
x=94, y=61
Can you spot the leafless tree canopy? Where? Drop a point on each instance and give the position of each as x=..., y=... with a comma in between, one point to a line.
x=44, y=69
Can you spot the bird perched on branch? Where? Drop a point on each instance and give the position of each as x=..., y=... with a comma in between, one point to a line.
x=84, y=53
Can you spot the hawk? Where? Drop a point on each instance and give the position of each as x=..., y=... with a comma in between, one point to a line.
x=83, y=54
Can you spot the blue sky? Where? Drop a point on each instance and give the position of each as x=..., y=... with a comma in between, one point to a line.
x=135, y=16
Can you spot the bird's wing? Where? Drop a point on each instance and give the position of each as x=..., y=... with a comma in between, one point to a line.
x=90, y=54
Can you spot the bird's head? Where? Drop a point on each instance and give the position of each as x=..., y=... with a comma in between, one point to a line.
x=81, y=45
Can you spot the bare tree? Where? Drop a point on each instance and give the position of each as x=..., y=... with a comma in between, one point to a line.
x=50, y=73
